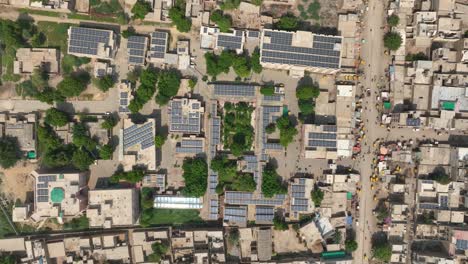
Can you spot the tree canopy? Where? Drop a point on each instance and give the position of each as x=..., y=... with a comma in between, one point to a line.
x=393, y=20
x=223, y=21
x=351, y=245
x=230, y=4
x=133, y=176
x=288, y=22
x=168, y=86
x=72, y=85
x=255, y=61
x=317, y=196
x=306, y=92
x=229, y=177
x=140, y=9
x=82, y=159
x=177, y=15
x=195, y=176
x=382, y=251
x=238, y=133
x=392, y=40
x=159, y=141
x=159, y=250
x=105, y=83
x=279, y=223
x=287, y=130
x=81, y=137
x=106, y=151
x=271, y=182
x=110, y=121
x=9, y=152
x=55, y=117
x=145, y=91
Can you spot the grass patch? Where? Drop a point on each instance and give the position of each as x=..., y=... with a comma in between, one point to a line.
x=169, y=217
x=120, y=18
x=112, y=7
x=313, y=10
x=40, y=12
x=5, y=228
x=7, y=58
x=56, y=34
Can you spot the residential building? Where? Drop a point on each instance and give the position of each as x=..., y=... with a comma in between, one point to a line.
x=137, y=147
x=136, y=49
x=113, y=207
x=58, y=195
x=23, y=128
x=92, y=43
x=30, y=59
x=186, y=116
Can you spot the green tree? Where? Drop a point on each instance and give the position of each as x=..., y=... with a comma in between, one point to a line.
x=130, y=31
x=241, y=66
x=77, y=223
x=440, y=177
x=416, y=57
x=58, y=157
x=72, y=86
x=270, y=128
x=168, y=86
x=159, y=141
x=105, y=83
x=9, y=152
x=140, y=9
x=223, y=21
x=257, y=2
x=47, y=138
x=393, y=20
x=287, y=130
x=230, y=4
x=40, y=78
x=307, y=92
x=134, y=176
x=147, y=196
x=145, y=91
x=288, y=22
x=81, y=137
x=306, y=107
x=351, y=245
x=317, y=196
x=195, y=176
x=55, y=117
x=177, y=15
x=106, y=151
x=255, y=61
x=382, y=251
x=159, y=250
x=392, y=40
x=244, y=182
x=192, y=83
x=279, y=223
x=110, y=122
x=82, y=159
x=272, y=183
x=49, y=95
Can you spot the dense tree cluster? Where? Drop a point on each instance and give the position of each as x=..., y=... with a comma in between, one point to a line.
x=382, y=251
x=271, y=182
x=351, y=245
x=317, y=196
x=177, y=15
x=306, y=95
x=288, y=22
x=168, y=86
x=287, y=130
x=159, y=250
x=255, y=61
x=242, y=64
x=230, y=4
x=73, y=85
x=223, y=21
x=195, y=176
x=229, y=177
x=238, y=133
x=38, y=87
x=133, y=176
x=56, y=118
x=270, y=128
x=279, y=223
x=105, y=83
x=110, y=121
x=106, y=151
x=9, y=152
x=392, y=40
x=141, y=9
x=145, y=91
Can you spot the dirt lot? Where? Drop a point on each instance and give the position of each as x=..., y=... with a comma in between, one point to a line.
x=287, y=242
x=16, y=182
x=322, y=12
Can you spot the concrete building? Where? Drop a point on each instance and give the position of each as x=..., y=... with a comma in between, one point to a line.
x=30, y=59
x=113, y=207
x=158, y=47
x=58, y=195
x=300, y=51
x=137, y=147
x=92, y=43
x=136, y=49
x=190, y=146
x=23, y=128
x=186, y=116
x=177, y=202
x=300, y=193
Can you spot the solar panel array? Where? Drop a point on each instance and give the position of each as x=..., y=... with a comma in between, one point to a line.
x=123, y=107
x=136, y=48
x=264, y=213
x=253, y=34
x=251, y=163
x=213, y=182
x=192, y=146
x=234, y=90
x=326, y=139
x=273, y=98
x=230, y=42
x=443, y=202
x=246, y=198
x=461, y=244
x=139, y=134
x=235, y=214
x=183, y=122
x=86, y=40
x=214, y=204
x=280, y=51
x=158, y=44
x=42, y=187
x=268, y=112
x=413, y=122
x=299, y=201
x=429, y=206
x=176, y=202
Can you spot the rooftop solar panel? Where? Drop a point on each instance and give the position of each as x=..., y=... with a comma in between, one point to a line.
x=234, y=90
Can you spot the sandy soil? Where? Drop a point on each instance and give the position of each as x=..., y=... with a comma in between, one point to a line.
x=16, y=182
x=287, y=242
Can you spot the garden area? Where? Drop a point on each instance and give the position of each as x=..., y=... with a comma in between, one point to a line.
x=238, y=133
x=230, y=178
